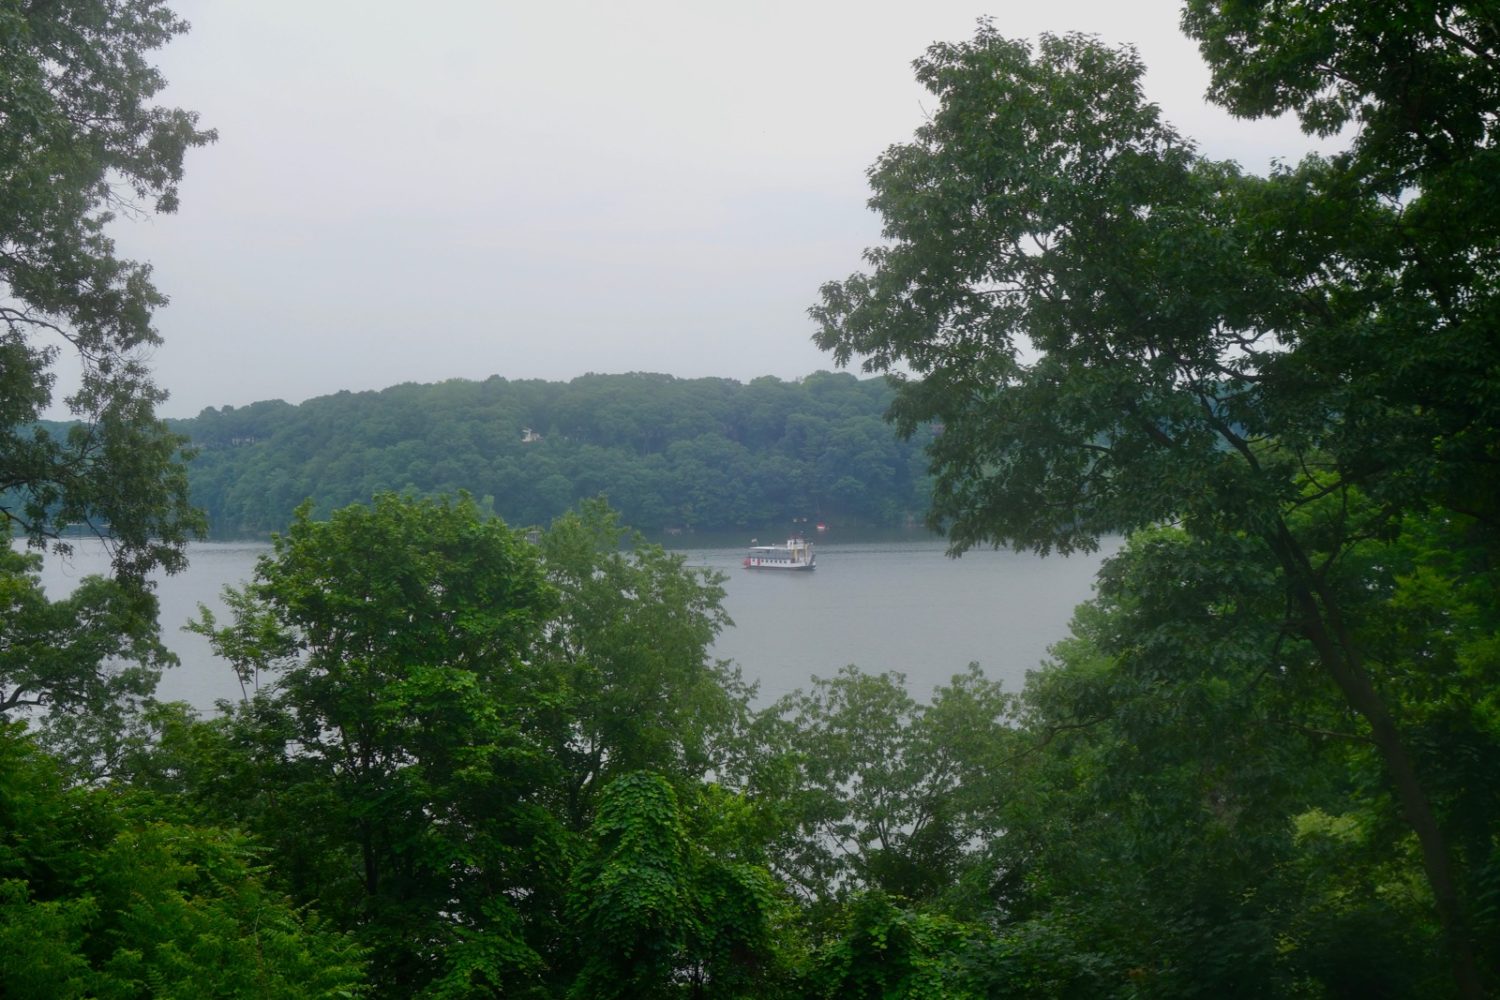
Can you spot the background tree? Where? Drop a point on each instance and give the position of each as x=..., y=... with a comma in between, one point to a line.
x=670, y=454
x=1116, y=332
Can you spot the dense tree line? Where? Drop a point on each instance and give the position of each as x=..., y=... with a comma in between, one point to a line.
x=689, y=454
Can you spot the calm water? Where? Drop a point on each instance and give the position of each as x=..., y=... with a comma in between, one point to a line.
x=884, y=606
x=901, y=606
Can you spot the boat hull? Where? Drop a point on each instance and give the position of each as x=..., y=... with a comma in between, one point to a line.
x=795, y=556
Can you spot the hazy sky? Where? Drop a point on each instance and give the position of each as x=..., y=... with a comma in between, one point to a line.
x=539, y=190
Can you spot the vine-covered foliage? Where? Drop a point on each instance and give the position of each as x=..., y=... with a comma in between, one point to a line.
x=103, y=894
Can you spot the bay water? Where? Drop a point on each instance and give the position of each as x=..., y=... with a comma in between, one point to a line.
x=883, y=606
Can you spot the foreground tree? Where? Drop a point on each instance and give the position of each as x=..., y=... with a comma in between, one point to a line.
x=79, y=654
x=670, y=901
x=441, y=704
x=629, y=647
x=80, y=668
x=100, y=897
x=865, y=789
x=884, y=951
x=1180, y=730
x=82, y=139
x=1115, y=332
x=394, y=763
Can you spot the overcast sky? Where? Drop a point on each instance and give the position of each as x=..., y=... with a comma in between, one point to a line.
x=539, y=190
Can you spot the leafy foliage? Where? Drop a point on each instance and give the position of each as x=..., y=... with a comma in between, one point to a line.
x=443, y=703
x=885, y=951
x=661, y=913
x=402, y=727
x=99, y=899
x=83, y=138
x=1116, y=332
x=62, y=653
x=1264, y=763
x=629, y=646
x=872, y=791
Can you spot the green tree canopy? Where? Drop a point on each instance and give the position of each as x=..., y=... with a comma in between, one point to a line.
x=82, y=140
x=72, y=654
x=401, y=730
x=871, y=790
x=629, y=646
x=662, y=913
x=671, y=454
x=442, y=704
x=101, y=897
x=1116, y=332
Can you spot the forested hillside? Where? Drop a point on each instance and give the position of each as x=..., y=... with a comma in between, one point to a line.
x=691, y=454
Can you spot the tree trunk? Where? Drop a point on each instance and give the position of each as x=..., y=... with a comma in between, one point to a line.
x=1323, y=626
x=372, y=867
